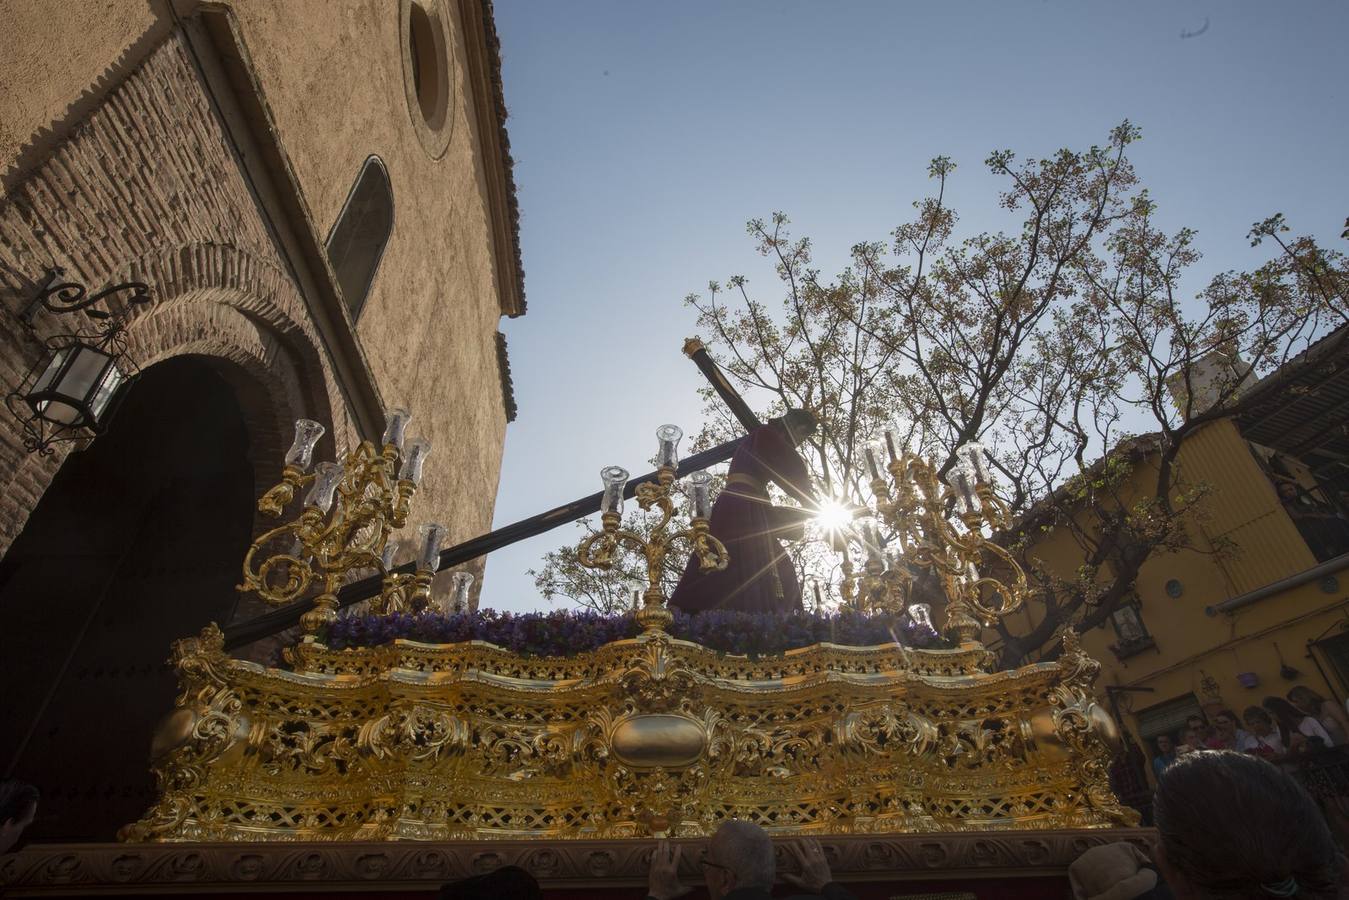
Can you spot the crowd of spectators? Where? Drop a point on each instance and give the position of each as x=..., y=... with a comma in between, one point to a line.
x=1281, y=730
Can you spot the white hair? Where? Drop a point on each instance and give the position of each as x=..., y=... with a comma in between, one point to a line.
x=746, y=850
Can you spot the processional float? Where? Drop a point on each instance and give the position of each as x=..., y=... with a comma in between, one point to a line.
x=647, y=736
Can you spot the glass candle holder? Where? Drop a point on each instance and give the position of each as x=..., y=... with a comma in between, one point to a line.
x=460, y=585
x=668, y=453
x=700, y=487
x=388, y=557
x=921, y=614
x=869, y=537
x=962, y=482
x=893, y=444
x=429, y=538
x=971, y=574
x=873, y=453
x=615, y=479
x=396, y=426
x=414, y=458
x=816, y=594
x=975, y=458
x=301, y=452
x=326, y=477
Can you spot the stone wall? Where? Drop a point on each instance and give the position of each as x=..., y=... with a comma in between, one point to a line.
x=146, y=188
x=122, y=160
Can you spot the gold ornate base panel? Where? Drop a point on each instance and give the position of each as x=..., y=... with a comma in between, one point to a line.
x=91, y=869
x=650, y=736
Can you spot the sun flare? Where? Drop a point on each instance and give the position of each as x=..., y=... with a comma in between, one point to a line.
x=832, y=516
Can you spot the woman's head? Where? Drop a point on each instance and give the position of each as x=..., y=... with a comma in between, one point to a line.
x=1233, y=826
x=1306, y=700
x=1285, y=713
x=1257, y=721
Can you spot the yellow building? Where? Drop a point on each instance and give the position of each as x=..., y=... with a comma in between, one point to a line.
x=318, y=199
x=1207, y=630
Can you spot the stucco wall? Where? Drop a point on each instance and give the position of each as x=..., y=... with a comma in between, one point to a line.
x=429, y=325
x=58, y=61
x=1189, y=643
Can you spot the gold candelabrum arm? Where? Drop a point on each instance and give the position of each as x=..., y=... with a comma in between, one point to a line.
x=279, y=496
x=599, y=550
x=913, y=505
x=348, y=514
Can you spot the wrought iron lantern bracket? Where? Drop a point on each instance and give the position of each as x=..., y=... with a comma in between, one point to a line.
x=73, y=389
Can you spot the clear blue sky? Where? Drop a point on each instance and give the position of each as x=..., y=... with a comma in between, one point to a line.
x=645, y=134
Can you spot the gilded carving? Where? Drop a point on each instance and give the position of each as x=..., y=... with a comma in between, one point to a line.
x=642, y=737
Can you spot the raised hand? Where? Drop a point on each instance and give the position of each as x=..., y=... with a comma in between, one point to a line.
x=815, y=872
x=662, y=881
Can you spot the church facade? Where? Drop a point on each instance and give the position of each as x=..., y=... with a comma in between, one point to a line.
x=319, y=199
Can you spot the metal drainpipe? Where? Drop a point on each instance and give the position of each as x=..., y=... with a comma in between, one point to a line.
x=1329, y=567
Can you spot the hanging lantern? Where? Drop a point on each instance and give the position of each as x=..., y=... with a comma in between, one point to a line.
x=71, y=393
x=77, y=387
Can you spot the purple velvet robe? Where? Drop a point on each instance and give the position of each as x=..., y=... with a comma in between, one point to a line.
x=760, y=576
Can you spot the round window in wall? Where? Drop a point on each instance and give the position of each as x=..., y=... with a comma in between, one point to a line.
x=427, y=74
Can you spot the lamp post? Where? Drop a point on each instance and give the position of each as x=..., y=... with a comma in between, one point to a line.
x=73, y=390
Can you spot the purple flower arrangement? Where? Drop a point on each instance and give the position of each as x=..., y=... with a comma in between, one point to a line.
x=569, y=632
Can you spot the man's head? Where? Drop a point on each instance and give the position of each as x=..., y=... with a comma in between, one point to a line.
x=739, y=855
x=18, y=806
x=1287, y=491
x=1232, y=826
x=1165, y=744
x=797, y=425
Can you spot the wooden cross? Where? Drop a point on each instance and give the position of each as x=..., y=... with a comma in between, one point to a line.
x=694, y=350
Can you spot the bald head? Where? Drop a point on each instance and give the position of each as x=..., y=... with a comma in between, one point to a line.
x=745, y=850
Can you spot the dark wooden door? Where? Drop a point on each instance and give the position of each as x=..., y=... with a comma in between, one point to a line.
x=136, y=543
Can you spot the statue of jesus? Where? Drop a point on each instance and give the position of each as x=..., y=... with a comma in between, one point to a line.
x=760, y=576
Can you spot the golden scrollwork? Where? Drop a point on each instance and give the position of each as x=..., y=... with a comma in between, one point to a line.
x=640, y=737
x=913, y=505
x=344, y=526
x=649, y=736
x=597, y=551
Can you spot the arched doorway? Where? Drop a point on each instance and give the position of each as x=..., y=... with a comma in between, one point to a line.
x=136, y=543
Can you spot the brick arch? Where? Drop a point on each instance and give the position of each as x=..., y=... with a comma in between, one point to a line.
x=223, y=293
x=223, y=303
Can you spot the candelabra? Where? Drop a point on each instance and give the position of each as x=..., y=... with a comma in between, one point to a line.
x=598, y=551
x=347, y=515
x=912, y=504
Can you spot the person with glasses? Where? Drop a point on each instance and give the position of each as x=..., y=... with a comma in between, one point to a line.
x=1227, y=732
x=738, y=864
